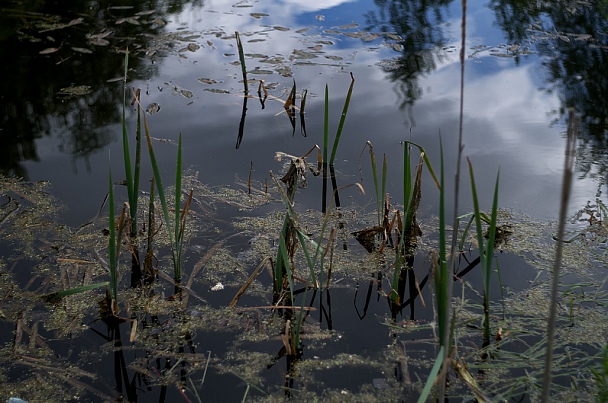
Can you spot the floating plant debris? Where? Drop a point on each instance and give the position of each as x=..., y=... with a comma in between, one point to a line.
x=75, y=91
x=153, y=108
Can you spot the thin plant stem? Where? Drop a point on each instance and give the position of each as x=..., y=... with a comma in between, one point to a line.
x=563, y=210
x=454, y=245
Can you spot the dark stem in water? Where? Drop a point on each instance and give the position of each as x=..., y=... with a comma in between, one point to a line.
x=563, y=210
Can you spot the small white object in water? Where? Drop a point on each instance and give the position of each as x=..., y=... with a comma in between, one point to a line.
x=218, y=287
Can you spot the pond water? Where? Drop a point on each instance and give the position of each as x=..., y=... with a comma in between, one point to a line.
x=61, y=102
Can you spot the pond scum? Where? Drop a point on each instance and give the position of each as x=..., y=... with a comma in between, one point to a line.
x=81, y=323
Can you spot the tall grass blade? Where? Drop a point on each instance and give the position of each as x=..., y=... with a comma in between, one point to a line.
x=427, y=162
x=449, y=281
x=57, y=295
x=486, y=253
x=573, y=121
x=432, y=376
x=442, y=274
x=342, y=119
x=173, y=231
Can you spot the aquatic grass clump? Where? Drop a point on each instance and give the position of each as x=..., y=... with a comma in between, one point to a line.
x=486, y=250
x=328, y=163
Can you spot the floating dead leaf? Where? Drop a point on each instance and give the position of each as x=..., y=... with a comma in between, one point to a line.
x=398, y=47
x=186, y=93
x=258, y=16
x=370, y=37
x=193, y=47
x=207, y=81
x=354, y=34
x=99, y=42
x=320, y=17
x=332, y=31
x=325, y=42
x=280, y=28
x=128, y=20
x=75, y=90
x=48, y=51
x=259, y=71
x=217, y=91
x=82, y=50
x=301, y=31
x=147, y=12
x=153, y=108
x=367, y=237
x=303, y=54
x=285, y=71
x=54, y=27
x=273, y=60
x=395, y=37
x=348, y=26
x=334, y=58
x=256, y=40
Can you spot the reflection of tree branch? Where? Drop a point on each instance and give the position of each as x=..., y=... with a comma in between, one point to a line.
x=417, y=23
x=30, y=108
x=569, y=38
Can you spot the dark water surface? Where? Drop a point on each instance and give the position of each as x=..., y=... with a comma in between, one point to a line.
x=526, y=65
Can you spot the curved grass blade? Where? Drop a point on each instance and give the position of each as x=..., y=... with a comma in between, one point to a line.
x=342, y=119
x=57, y=295
x=432, y=375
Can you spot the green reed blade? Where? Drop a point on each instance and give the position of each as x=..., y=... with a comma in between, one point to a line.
x=427, y=162
x=161, y=195
x=478, y=226
x=56, y=296
x=309, y=261
x=414, y=201
x=485, y=252
x=442, y=272
x=285, y=260
x=432, y=376
x=342, y=119
x=466, y=230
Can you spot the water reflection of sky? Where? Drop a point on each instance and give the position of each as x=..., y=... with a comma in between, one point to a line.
x=507, y=114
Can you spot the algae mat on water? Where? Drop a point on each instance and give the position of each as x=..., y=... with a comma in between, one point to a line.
x=165, y=347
